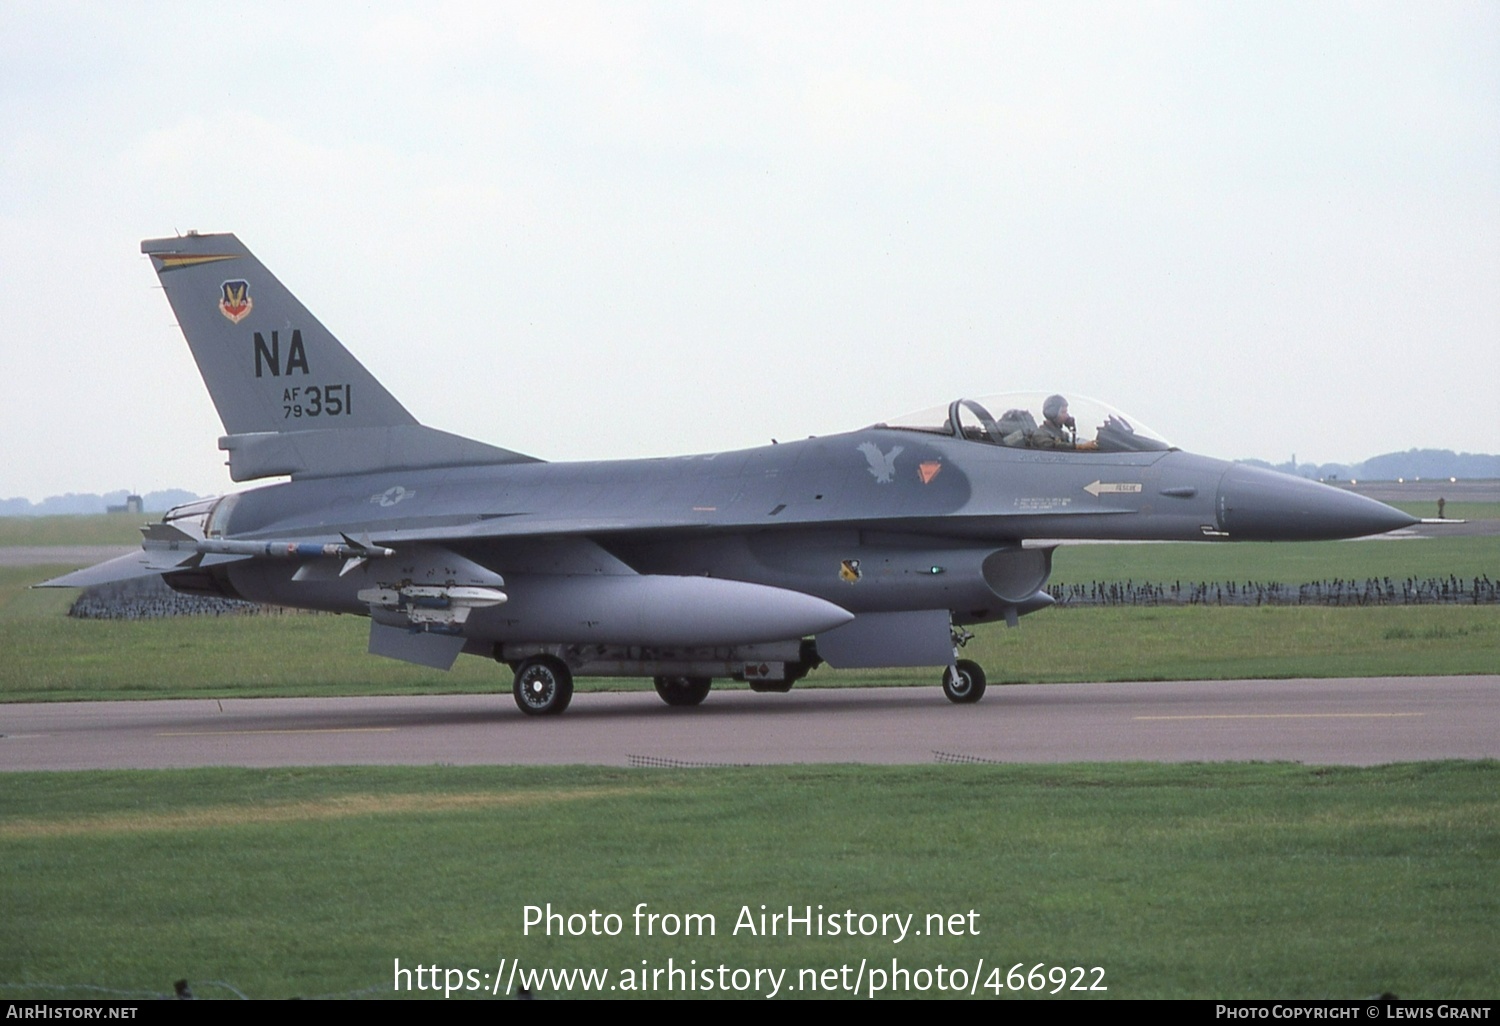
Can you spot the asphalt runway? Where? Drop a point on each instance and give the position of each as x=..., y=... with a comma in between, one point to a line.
x=1327, y=722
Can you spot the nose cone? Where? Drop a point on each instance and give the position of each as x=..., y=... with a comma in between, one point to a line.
x=1264, y=505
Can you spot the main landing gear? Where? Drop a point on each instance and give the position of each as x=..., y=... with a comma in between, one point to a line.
x=963, y=682
x=544, y=686
x=683, y=690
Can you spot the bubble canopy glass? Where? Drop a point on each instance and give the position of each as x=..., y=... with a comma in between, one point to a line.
x=1011, y=419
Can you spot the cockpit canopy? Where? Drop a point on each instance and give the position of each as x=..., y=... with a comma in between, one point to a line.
x=1016, y=420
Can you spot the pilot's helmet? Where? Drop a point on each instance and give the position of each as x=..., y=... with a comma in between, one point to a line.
x=1054, y=406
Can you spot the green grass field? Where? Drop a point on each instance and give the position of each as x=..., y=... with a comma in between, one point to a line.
x=1224, y=881
x=78, y=529
x=1287, y=563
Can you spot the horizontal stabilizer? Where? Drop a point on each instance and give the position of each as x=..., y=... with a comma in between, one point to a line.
x=121, y=568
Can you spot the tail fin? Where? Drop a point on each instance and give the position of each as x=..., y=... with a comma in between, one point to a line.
x=293, y=400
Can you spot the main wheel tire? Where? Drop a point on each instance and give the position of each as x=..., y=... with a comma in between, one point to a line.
x=683, y=690
x=967, y=685
x=543, y=687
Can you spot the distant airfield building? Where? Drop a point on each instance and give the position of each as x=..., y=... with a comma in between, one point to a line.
x=133, y=504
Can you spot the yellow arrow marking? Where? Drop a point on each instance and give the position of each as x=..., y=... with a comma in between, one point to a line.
x=172, y=261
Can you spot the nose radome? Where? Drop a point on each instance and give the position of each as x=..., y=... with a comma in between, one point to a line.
x=1265, y=505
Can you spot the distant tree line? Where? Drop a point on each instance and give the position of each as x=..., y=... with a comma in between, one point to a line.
x=1414, y=463
x=73, y=503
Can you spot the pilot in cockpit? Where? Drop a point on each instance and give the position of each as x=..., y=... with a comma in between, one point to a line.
x=1058, y=429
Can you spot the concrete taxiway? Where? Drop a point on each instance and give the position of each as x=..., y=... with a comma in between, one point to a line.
x=1349, y=722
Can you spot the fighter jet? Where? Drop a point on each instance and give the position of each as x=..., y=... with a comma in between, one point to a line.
x=875, y=548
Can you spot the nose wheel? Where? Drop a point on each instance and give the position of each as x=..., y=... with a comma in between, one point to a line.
x=963, y=682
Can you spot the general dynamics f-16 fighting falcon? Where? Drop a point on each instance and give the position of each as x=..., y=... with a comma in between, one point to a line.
x=872, y=548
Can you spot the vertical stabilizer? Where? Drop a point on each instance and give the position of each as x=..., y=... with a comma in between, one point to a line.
x=293, y=400
x=269, y=364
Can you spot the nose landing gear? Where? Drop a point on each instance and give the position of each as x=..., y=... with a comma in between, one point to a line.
x=963, y=682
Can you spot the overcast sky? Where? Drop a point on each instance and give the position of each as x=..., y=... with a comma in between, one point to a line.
x=632, y=229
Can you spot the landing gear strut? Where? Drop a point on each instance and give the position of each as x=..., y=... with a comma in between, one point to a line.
x=544, y=686
x=963, y=682
x=683, y=690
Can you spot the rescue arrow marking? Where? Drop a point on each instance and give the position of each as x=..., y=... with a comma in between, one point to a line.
x=1114, y=487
